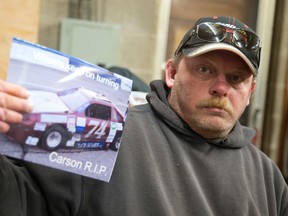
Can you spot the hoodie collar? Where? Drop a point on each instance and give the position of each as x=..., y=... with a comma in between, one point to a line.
x=158, y=99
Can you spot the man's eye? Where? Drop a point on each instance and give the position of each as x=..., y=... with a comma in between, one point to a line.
x=234, y=79
x=204, y=69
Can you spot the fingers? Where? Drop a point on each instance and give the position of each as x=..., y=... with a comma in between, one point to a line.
x=8, y=117
x=15, y=103
x=4, y=127
x=13, y=89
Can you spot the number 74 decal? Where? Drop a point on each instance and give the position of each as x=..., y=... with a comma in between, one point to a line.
x=97, y=129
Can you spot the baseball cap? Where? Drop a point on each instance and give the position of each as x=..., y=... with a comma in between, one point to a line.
x=222, y=33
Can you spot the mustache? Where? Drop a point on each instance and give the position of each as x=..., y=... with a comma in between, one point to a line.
x=214, y=102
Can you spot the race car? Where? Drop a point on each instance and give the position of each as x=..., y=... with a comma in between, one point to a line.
x=73, y=118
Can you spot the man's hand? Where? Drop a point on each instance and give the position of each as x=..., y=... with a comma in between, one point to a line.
x=13, y=102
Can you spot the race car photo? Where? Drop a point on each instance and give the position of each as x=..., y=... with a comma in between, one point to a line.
x=73, y=118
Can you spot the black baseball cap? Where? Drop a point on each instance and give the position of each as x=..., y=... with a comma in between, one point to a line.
x=222, y=33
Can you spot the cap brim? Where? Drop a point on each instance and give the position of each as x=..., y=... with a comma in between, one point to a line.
x=196, y=51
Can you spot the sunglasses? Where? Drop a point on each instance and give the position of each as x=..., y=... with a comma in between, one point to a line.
x=246, y=41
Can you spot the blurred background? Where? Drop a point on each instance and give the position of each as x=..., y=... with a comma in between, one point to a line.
x=136, y=37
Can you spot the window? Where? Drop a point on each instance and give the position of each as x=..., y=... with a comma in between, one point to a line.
x=99, y=111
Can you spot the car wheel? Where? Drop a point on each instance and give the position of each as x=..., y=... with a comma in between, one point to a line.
x=115, y=145
x=54, y=137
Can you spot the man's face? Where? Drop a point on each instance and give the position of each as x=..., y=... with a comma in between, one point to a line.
x=210, y=92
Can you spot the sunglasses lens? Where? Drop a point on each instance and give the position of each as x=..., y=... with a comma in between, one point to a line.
x=211, y=32
x=245, y=39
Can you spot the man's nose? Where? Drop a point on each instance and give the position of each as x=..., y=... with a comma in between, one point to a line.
x=219, y=87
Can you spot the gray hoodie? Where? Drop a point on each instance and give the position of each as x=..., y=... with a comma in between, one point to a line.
x=163, y=169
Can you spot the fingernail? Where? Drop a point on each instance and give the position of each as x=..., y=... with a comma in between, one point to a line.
x=30, y=106
x=25, y=93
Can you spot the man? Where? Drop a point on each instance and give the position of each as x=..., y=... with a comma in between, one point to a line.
x=183, y=153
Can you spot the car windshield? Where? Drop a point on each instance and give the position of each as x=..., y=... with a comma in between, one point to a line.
x=77, y=97
x=75, y=100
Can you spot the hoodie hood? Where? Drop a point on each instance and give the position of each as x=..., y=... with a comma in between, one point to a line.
x=158, y=99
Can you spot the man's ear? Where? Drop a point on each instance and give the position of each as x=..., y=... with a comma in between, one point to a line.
x=170, y=72
x=252, y=88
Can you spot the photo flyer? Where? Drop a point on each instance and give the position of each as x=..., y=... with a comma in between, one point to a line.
x=78, y=116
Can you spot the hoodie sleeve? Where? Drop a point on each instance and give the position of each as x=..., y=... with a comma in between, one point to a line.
x=282, y=197
x=284, y=204
x=18, y=194
x=28, y=189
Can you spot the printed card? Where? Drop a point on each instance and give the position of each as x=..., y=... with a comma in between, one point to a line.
x=78, y=116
